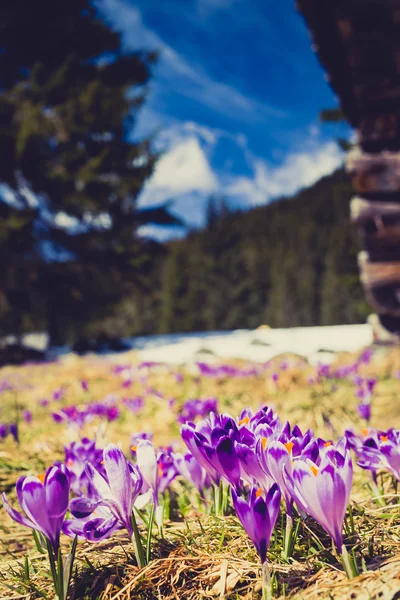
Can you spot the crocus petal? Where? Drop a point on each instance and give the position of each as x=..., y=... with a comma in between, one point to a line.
x=17, y=516
x=228, y=460
x=33, y=496
x=147, y=462
x=100, y=529
x=194, y=441
x=143, y=499
x=98, y=482
x=73, y=527
x=331, y=497
x=57, y=492
x=304, y=488
x=119, y=476
x=244, y=513
x=83, y=507
x=278, y=459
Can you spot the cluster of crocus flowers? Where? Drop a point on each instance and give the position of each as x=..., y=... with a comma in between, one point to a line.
x=197, y=408
x=77, y=455
x=77, y=416
x=225, y=370
x=377, y=450
x=259, y=452
x=7, y=429
x=134, y=404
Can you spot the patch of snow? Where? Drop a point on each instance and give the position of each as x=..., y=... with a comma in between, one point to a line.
x=317, y=344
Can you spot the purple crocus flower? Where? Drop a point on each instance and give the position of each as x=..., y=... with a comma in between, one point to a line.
x=147, y=464
x=13, y=430
x=212, y=443
x=84, y=385
x=134, y=404
x=258, y=516
x=192, y=471
x=5, y=386
x=27, y=416
x=157, y=469
x=9, y=429
x=135, y=439
x=77, y=454
x=43, y=502
x=58, y=394
x=166, y=467
x=366, y=355
x=274, y=457
x=364, y=410
x=323, y=492
x=377, y=450
x=197, y=408
x=116, y=494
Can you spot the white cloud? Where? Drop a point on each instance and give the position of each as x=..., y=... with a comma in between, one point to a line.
x=181, y=170
x=298, y=170
x=185, y=176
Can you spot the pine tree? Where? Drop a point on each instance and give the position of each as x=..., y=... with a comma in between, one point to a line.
x=69, y=97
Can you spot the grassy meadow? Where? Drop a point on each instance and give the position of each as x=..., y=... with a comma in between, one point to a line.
x=199, y=555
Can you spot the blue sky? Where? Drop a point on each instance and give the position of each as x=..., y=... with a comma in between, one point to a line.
x=234, y=100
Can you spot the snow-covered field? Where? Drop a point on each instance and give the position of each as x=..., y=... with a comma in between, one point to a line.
x=317, y=344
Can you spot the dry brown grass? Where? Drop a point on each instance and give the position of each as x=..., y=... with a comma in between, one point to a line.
x=201, y=556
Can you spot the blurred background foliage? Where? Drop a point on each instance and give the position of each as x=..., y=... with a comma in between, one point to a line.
x=73, y=263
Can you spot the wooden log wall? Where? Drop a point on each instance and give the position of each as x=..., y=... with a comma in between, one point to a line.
x=358, y=43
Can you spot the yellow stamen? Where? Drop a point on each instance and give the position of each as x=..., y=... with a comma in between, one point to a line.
x=70, y=463
x=41, y=477
x=365, y=431
x=327, y=444
x=133, y=448
x=314, y=470
x=264, y=442
x=160, y=470
x=102, y=462
x=289, y=446
x=244, y=420
x=259, y=492
x=384, y=438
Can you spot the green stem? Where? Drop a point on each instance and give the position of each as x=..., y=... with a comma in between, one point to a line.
x=377, y=495
x=53, y=567
x=149, y=534
x=167, y=505
x=217, y=500
x=137, y=544
x=287, y=549
x=60, y=574
x=347, y=563
x=266, y=582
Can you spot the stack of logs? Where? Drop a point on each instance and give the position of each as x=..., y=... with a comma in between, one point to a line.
x=358, y=43
x=376, y=212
